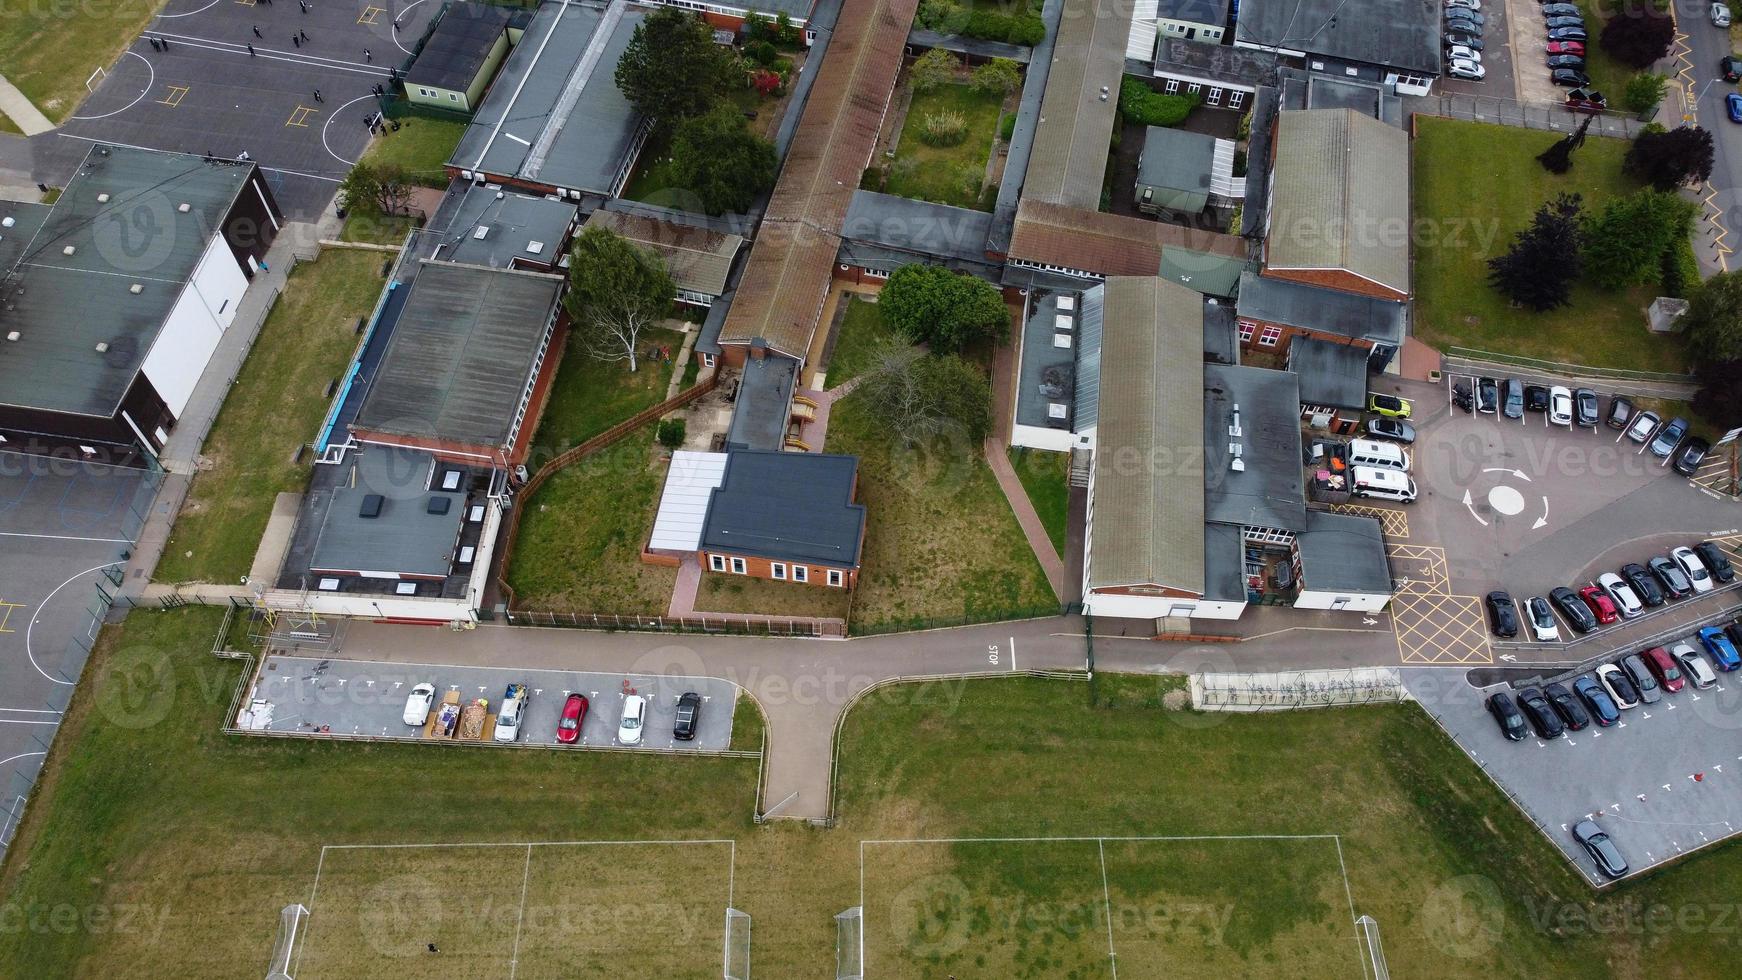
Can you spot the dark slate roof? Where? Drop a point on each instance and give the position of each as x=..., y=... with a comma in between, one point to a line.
x=917, y=227
x=1254, y=209
x=1219, y=336
x=976, y=47
x=454, y=52
x=1343, y=553
x=62, y=306
x=762, y=408
x=1396, y=33
x=513, y=224
x=404, y=537
x=1177, y=160
x=1047, y=374
x=788, y=507
x=1224, y=563
x=1330, y=374
x=1213, y=12
x=462, y=354
x=1270, y=491
x=1325, y=310
x=1214, y=62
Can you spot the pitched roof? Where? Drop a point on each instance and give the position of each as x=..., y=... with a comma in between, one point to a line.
x=1294, y=304
x=458, y=47
x=1397, y=33
x=1149, y=484
x=1068, y=160
x=787, y=507
x=1340, y=197
x=698, y=259
x=1109, y=244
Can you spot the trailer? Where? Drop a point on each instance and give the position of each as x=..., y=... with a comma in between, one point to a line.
x=445, y=720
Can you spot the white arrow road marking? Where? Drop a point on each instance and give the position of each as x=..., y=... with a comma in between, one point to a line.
x=1365, y=621
x=1470, y=503
x=1543, y=520
x=1509, y=658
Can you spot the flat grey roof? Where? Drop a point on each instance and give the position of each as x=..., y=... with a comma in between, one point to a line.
x=458, y=47
x=1296, y=304
x=404, y=538
x=764, y=398
x=1397, y=33
x=1048, y=372
x=1343, y=553
x=788, y=507
x=1219, y=327
x=554, y=115
x=462, y=354
x=513, y=225
x=1333, y=375
x=918, y=227
x=1176, y=159
x=1213, y=12
x=1224, y=563
x=1270, y=491
x=1090, y=327
x=62, y=306
x=976, y=47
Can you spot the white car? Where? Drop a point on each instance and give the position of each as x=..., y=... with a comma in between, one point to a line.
x=1694, y=666
x=1625, y=598
x=1720, y=15
x=417, y=705
x=1465, y=4
x=1560, y=406
x=1541, y=619
x=1465, y=68
x=512, y=712
x=634, y=719
x=1460, y=51
x=1694, y=568
x=1607, y=675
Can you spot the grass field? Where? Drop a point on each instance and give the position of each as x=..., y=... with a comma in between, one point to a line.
x=8, y=126
x=374, y=228
x=422, y=146
x=49, y=49
x=862, y=328
x=945, y=174
x=1046, y=478
x=743, y=594
x=590, y=395
x=276, y=405
x=1476, y=186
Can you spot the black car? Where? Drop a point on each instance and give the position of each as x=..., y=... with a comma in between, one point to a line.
x=1512, y=398
x=1572, y=61
x=1601, y=849
x=1569, y=77
x=1716, y=561
x=1620, y=412
x=1463, y=38
x=1692, y=454
x=1535, y=398
x=1541, y=714
x=1563, y=21
x=1670, y=575
x=1585, y=407
x=1730, y=67
x=1573, y=609
x=1454, y=14
x=1734, y=632
x=1568, y=707
x=1487, y=395
x=1640, y=675
x=1643, y=584
x=689, y=710
x=1503, y=614
x=1561, y=10
x=1569, y=34
x=1506, y=716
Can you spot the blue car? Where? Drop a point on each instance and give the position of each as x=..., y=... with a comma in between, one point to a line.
x=1733, y=105
x=1603, y=709
x=1722, y=651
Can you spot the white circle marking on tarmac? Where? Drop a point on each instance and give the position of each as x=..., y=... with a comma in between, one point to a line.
x=190, y=13
x=329, y=122
x=37, y=612
x=142, y=92
x=395, y=27
x=1506, y=500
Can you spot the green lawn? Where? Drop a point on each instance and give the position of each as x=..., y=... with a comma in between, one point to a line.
x=8, y=126
x=1607, y=75
x=590, y=395
x=940, y=541
x=372, y=227
x=277, y=404
x=422, y=146
x=952, y=174
x=1476, y=186
x=726, y=593
x=49, y=49
x=581, y=536
x=1046, y=478
x=862, y=328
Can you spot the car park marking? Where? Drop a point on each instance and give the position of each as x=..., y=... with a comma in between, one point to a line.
x=1392, y=523
x=299, y=117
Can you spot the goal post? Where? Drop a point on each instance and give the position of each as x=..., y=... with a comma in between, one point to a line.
x=1371, y=950
x=737, y=945
x=850, y=944
x=96, y=78
x=290, y=921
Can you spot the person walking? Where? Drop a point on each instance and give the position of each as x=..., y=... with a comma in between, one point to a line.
x=257, y=32
x=304, y=34
x=296, y=40
x=250, y=50
x=318, y=96
x=367, y=56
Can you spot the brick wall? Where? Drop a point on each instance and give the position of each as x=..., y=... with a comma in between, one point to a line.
x=817, y=575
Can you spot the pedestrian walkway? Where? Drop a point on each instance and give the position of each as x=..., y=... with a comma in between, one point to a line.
x=997, y=453
x=23, y=112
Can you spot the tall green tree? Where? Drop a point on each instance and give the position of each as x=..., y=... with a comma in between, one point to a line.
x=1538, y=270
x=672, y=69
x=1714, y=319
x=616, y=290
x=722, y=161
x=920, y=396
x=944, y=310
x=1624, y=244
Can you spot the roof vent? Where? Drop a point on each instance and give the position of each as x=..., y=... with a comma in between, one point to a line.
x=68, y=250
x=184, y=207
x=136, y=288
x=1237, y=464
x=1062, y=340
x=102, y=347
x=480, y=232
x=534, y=248
x=13, y=336
x=500, y=195
x=1067, y=303
x=7, y=222
x=438, y=504
x=1056, y=410
x=103, y=198
x=371, y=505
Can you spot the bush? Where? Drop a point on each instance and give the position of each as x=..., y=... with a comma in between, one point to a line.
x=1007, y=127
x=933, y=70
x=760, y=52
x=943, y=128
x=1144, y=106
x=671, y=432
x=1681, y=270
x=1000, y=76
x=1644, y=91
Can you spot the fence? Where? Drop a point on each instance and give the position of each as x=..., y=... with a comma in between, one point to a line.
x=1295, y=689
x=919, y=623
x=696, y=623
x=1570, y=370
x=1547, y=116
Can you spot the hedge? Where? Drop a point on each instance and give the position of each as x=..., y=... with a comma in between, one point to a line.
x=1144, y=106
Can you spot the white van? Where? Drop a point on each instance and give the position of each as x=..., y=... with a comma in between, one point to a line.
x=1369, y=452
x=1386, y=484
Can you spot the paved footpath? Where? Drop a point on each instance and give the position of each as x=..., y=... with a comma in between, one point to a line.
x=18, y=108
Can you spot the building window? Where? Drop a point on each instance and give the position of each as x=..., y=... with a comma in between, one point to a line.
x=1236, y=99
x=1194, y=88
x=1247, y=329
x=738, y=566
x=1215, y=97
x=777, y=570
x=1172, y=86
x=717, y=562
x=800, y=573
x=1272, y=333
x=707, y=360
x=835, y=577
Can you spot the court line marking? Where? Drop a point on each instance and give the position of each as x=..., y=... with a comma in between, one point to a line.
x=402, y=13
x=174, y=94
x=63, y=537
x=190, y=13
x=276, y=54
x=329, y=122
x=21, y=755
x=149, y=82
x=135, y=146
x=28, y=630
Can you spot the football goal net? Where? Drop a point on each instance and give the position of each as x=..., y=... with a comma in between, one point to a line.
x=850, y=944
x=289, y=931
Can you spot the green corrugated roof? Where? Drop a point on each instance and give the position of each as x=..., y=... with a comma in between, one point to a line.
x=1340, y=196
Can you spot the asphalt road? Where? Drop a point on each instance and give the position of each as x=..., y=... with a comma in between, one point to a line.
x=1706, y=46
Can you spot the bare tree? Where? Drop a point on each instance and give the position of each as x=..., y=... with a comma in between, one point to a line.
x=616, y=291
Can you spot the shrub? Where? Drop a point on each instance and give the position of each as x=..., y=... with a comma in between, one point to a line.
x=671, y=433
x=1681, y=270
x=1007, y=128
x=760, y=52
x=933, y=70
x=1644, y=91
x=943, y=128
x=1144, y=106
x=942, y=16
x=1000, y=76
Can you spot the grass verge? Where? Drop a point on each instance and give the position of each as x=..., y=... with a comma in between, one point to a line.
x=48, y=50
x=1045, y=477
x=761, y=597
x=422, y=145
x=945, y=174
x=862, y=327
x=590, y=395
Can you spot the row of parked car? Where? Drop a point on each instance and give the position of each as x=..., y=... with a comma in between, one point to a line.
x=511, y=713
x=1582, y=407
x=1463, y=37
x=1686, y=572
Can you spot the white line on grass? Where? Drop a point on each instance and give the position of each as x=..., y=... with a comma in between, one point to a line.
x=520, y=917
x=1046, y=840
x=1353, y=918
x=309, y=919
x=1107, y=903
x=519, y=843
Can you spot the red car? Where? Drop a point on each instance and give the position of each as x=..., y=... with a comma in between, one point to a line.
x=568, y=727
x=1566, y=47
x=1664, y=668
x=1601, y=605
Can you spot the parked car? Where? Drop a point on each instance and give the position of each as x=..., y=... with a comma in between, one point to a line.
x=1733, y=107
x=1620, y=411
x=1668, y=436
x=1730, y=68
x=1467, y=16
x=1459, y=52
x=1512, y=398
x=1470, y=39
x=1560, y=405
x=1619, y=688
x=511, y=712
x=1389, y=406
x=1577, y=614
x=1720, y=649
x=1393, y=429
x=1502, y=614
x=1694, y=666
x=1536, y=398
x=1487, y=395
x=1569, y=34
x=1644, y=424
x=1563, y=21
x=1565, y=47
x=1664, y=668
x=1569, y=77
x=1720, y=15
x=1642, y=679
x=1601, y=605
x=689, y=713
x=1586, y=103
x=1675, y=582
x=1571, y=712
x=1644, y=586
x=1540, y=713
x=1734, y=632
x=1597, y=701
x=1626, y=601
x=1466, y=69
x=1716, y=561
x=1573, y=61
x=1507, y=716
x=1561, y=10
x=629, y=727
x=1691, y=455
x=1693, y=568
x=1542, y=622
x=568, y=724
x=1585, y=407
x=1601, y=849
x=418, y=704
x=1464, y=4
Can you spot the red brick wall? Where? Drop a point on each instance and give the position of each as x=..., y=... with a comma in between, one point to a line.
x=761, y=568
x=1288, y=335
x=1337, y=279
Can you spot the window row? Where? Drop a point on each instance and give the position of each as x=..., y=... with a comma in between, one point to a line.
x=778, y=570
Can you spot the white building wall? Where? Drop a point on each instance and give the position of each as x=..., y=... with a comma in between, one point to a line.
x=202, y=313
x=1035, y=437
x=1352, y=602
x=1159, y=607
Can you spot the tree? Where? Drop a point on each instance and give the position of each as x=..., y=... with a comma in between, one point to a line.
x=944, y=310
x=722, y=161
x=919, y=396
x=1538, y=271
x=1720, y=394
x=616, y=290
x=1638, y=37
x=1558, y=158
x=1672, y=158
x=1624, y=244
x=933, y=70
x=381, y=187
x=1000, y=76
x=671, y=68
x=1714, y=319
x=1644, y=91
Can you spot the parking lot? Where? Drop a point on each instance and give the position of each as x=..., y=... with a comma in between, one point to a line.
x=1664, y=781
x=367, y=698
